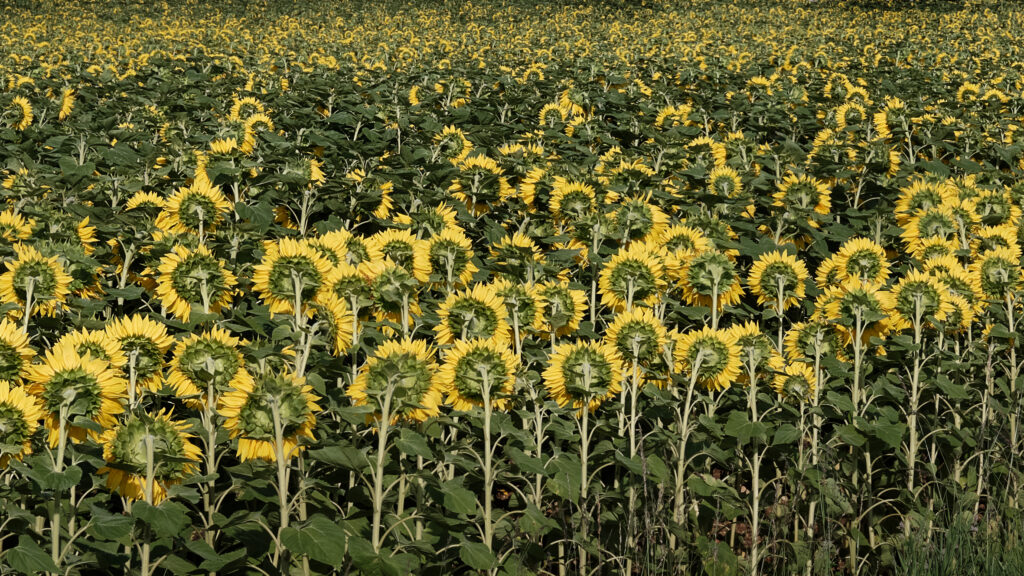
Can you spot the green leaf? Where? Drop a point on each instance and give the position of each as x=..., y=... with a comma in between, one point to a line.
x=109, y=526
x=457, y=499
x=318, y=538
x=347, y=457
x=477, y=556
x=786, y=434
x=849, y=435
x=413, y=443
x=167, y=520
x=740, y=427
x=891, y=434
x=29, y=558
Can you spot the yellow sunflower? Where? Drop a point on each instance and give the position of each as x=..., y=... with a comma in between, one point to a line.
x=20, y=413
x=450, y=254
x=32, y=277
x=15, y=353
x=862, y=259
x=711, y=357
x=290, y=270
x=198, y=209
x=72, y=386
x=144, y=445
x=583, y=374
x=95, y=343
x=15, y=227
x=402, y=379
x=469, y=314
x=257, y=410
x=479, y=371
x=776, y=277
x=635, y=274
x=206, y=361
x=562, y=307
x=194, y=277
x=144, y=342
x=406, y=250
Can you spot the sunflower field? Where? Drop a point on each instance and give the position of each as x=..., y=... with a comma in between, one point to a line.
x=511, y=288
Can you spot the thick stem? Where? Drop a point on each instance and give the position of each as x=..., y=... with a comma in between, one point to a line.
x=378, y=475
x=282, y=477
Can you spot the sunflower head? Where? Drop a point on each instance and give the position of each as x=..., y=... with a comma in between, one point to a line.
x=916, y=297
x=862, y=259
x=402, y=378
x=561, y=307
x=142, y=442
x=522, y=304
x=794, y=380
x=634, y=275
x=999, y=271
x=810, y=340
x=15, y=352
x=857, y=305
x=450, y=255
x=755, y=348
x=479, y=371
x=403, y=248
x=290, y=270
x=194, y=278
x=204, y=361
x=475, y=313
x=711, y=357
x=20, y=413
x=144, y=342
x=638, y=336
x=32, y=275
x=72, y=386
x=778, y=278
x=583, y=374
x=255, y=411
x=709, y=274
x=200, y=206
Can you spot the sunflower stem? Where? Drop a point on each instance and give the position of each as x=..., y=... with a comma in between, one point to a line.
x=684, y=435
x=378, y=473
x=148, y=493
x=485, y=392
x=58, y=468
x=133, y=377
x=209, y=494
x=583, y=420
x=915, y=398
x=29, y=288
x=282, y=478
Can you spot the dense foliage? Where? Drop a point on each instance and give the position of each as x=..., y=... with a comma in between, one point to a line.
x=511, y=288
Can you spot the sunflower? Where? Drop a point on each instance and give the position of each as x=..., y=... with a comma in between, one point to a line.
x=290, y=270
x=919, y=196
x=86, y=235
x=638, y=336
x=552, y=114
x=517, y=256
x=15, y=353
x=855, y=302
x=474, y=313
x=478, y=371
x=755, y=348
x=392, y=289
x=334, y=312
x=480, y=184
x=705, y=151
x=684, y=241
x=634, y=274
x=803, y=198
x=863, y=260
x=452, y=145
x=144, y=343
x=931, y=247
x=672, y=116
x=145, y=200
x=405, y=250
x=450, y=254
x=402, y=378
x=194, y=277
x=562, y=307
x=72, y=386
x=522, y=303
x=710, y=356
x=14, y=227
x=95, y=343
x=583, y=374
x=429, y=221
x=352, y=284
x=810, y=339
x=148, y=444
x=777, y=277
x=20, y=413
x=997, y=208
x=341, y=246
x=936, y=222
x=571, y=200
x=709, y=273
x=21, y=105
x=32, y=276
x=724, y=181
x=206, y=360
x=198, y=209
x=918, y=296
x=794, y=380
x=637, y=219
x=255, y=410
x=999, y=271
x=991, y=237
